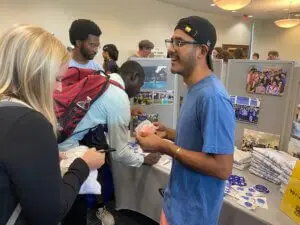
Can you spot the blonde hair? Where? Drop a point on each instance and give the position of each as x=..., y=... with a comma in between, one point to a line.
x=30, y=60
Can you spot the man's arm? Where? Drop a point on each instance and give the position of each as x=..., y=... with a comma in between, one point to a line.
x=217, y=165
x=117, y=122
x=164, y=132
x=171, y=134
x=217, y=124
x=118, y=139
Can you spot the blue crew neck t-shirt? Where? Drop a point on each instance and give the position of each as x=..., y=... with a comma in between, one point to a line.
x=206, y=124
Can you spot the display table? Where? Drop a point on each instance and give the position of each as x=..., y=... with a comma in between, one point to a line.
x=137, y=189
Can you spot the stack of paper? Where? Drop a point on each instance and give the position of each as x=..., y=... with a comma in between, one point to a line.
x=272, y=165
x=241, y=159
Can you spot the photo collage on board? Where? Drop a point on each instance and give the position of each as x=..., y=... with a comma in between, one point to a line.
x=246, y=109
x=253, y=138
x=266, y=81
x=155, y=89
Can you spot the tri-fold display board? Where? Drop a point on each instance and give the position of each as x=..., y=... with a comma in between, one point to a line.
x=261, y=92
x=159, y=95
x=163, y=91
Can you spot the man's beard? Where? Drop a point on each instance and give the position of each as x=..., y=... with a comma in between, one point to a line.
x=85, y=54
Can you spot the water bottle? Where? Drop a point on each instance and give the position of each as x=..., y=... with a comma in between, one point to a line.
x=85, y=104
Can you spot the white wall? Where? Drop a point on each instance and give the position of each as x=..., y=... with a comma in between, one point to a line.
x=268, y=36
x=123, y=23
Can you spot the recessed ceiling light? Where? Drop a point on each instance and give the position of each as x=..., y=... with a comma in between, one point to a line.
x=212, y=4
x=233, y=11
x=250, y=16
x=285, y=9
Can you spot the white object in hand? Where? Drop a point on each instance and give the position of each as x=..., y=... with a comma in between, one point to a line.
x=91, y=185
x=146, y=126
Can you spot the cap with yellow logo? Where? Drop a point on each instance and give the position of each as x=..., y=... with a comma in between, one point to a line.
x=200, y=29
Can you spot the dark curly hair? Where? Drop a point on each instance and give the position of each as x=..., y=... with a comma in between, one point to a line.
x=81, y=28
x=112, y=51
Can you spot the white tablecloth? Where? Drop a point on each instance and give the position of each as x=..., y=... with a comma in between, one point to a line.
x=137, y=189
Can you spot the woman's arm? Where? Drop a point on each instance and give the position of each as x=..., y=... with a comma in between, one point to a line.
x=33, y=167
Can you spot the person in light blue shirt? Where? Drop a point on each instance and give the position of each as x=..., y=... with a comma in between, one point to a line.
x=85, y=37
x=112, y=109
x=204, y=137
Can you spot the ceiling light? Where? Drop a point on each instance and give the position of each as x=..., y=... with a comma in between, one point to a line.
x=231, y=4
x=287, y=23
x=286, y=9
x=212, y=4
x=233, y=11
x=250, y=16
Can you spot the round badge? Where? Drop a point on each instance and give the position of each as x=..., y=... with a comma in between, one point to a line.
x=248, y=204
x=246, y=198
x=251, y=190
x=243, y=184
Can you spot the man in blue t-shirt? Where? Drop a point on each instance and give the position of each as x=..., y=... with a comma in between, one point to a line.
x=85, y=37
x=204, y=137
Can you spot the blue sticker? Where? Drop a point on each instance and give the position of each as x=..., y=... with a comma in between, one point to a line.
x=243, y=184
x=246, y=198
x=251, y=190
x=248, y=204
x=259, y=200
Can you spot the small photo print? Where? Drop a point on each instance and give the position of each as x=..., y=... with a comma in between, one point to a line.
x=155, y=78
x=163, y=97
x=144, y=98
x=246, y=109
x=253, y=138
x=266, y=81
x=294, y=147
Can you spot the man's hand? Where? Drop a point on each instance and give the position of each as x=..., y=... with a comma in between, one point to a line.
x=150, y=143
x=62, y=155
x=152, y=158
x=161, y=130
x=164, y=132
x=136, y=110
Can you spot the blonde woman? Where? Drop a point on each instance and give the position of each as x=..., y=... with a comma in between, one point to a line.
x=31, y=60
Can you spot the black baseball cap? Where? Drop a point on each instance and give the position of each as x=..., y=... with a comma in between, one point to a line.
x=203, y=32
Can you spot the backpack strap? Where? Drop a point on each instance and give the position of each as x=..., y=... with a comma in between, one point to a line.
x=14, y=216
x=13, y=102
x=115, y=83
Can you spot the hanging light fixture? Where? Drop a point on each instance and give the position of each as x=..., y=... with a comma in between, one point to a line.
x=289, y=22
x=231, y=4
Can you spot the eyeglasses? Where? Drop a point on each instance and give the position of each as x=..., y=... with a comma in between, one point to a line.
x=178, y=43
